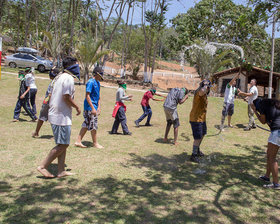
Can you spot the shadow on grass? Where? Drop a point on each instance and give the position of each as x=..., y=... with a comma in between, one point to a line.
x=46, y=136
x=87, y=143
x=240, y=126
x=186, y=137
x=160, y=140
x=170, y=193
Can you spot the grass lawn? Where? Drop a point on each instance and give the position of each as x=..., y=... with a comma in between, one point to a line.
x=134, y=179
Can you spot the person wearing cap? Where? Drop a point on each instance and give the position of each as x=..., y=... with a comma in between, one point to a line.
x=45, y=106
x=23, y=99
x=175, y=96
x=91, y=109
x=60, y=116
x=198, y=118
x=30, y=83
x=120, y=109
x=228, y=106
x=146, y=106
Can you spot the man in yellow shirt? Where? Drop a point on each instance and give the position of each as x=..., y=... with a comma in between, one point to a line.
x=198, y=117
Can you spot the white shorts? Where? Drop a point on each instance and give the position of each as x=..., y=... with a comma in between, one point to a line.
x=274, y=137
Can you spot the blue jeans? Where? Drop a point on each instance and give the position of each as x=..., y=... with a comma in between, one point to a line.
x=25, y=104
x=147, y=112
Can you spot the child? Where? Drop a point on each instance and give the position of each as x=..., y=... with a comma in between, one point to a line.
x=91, y=109
x=174, y=97
x=23, y=99
x=120, y=109
x=146, y=107
x=45, y=106
x=30, y=82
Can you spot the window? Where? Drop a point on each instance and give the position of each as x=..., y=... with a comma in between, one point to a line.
x=27, y=57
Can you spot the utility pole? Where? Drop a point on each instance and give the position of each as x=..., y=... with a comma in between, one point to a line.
x=272, y=59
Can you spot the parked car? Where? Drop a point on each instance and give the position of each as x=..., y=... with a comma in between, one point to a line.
x=28, y=60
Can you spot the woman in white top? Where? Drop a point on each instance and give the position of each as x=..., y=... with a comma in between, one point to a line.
x=30, y=83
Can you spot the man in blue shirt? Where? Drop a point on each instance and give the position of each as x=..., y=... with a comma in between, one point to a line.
x=91, y=109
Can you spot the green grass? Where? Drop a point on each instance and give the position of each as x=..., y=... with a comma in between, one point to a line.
x=135, y=179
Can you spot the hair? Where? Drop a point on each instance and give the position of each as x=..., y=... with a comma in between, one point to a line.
x=68, y=61
x=271, y=102
x=55, y=71
x=120, y=82
x=254, y=81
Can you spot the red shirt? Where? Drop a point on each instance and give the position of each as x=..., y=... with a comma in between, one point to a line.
x=145, y=100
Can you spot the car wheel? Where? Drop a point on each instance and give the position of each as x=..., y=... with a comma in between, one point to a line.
x=41, y=68
x=12, y=65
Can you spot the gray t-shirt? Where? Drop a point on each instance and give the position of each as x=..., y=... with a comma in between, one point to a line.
x=173, y=98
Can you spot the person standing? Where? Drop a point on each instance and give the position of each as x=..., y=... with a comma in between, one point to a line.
x=30, y=82
x=228, y=107
x=23, y=99
x=60, y=115
x=45, y=106
x=198, y=118
x=92, y=109
x=268, y=111
x=250, y=97
x=146, y=106
x=120, y=109
x=175, y=96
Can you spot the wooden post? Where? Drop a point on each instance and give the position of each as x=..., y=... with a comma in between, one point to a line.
x=272, y=59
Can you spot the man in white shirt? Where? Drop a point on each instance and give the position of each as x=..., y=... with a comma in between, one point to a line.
x=228, y=107
x=60, y=116
x=250, y=97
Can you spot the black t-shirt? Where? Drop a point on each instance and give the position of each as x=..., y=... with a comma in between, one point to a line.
x=272, y=114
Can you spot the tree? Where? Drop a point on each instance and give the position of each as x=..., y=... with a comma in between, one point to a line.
x=87, y=52
x=223, y=21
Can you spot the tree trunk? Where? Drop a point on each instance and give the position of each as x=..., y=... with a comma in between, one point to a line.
x=2, y=8
x=146, y=45
x=27, y=13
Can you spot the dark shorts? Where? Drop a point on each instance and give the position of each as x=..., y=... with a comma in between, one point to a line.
x=44, y=112
x=228, y=109
x=91, y=121
x=199, y=129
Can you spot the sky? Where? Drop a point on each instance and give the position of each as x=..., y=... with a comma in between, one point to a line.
x=182, y=6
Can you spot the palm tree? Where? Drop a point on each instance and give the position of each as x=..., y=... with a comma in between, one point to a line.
x=207, y=64
x=54, y=45
x=87, y=53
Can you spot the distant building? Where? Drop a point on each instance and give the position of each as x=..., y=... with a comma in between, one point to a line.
x=261, y=75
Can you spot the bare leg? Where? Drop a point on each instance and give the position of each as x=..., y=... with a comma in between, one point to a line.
x=167, y=129
x=176, y=135
x=78, y=142
x=271, y=156
x=61, y=165
x=38, y=127
x=229, y=121
x=94, y=140
x=53, y=154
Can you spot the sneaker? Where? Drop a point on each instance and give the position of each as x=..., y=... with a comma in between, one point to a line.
x=136, y=123
x=254, y=126
x=200, y=154
x=112, y=133
x=127, y=133
x=148, y=124
x=264, y=178
x=273, y=186
x=247, y=128
x=194, y=158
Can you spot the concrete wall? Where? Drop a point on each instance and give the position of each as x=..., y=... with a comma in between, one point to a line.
x=242, y=84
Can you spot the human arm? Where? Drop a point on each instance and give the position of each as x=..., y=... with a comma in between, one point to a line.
x=240, y=93
x=99, y=107
x=24, y=94
x=261, y=117
x=71, y=103
x=157, y=94
x=93, y=111
x=234, y=79
x=122, y=95
x=184, y=99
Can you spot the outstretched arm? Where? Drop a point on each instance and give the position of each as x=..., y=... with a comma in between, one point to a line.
x=234, y=79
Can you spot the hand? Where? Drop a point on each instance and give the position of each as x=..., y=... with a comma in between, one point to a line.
x=21, y=97
x=94, y=112
x=78, y=111
x=98, y=111
x=130, y=96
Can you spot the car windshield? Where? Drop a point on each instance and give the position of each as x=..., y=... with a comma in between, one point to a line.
x=40, y=58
